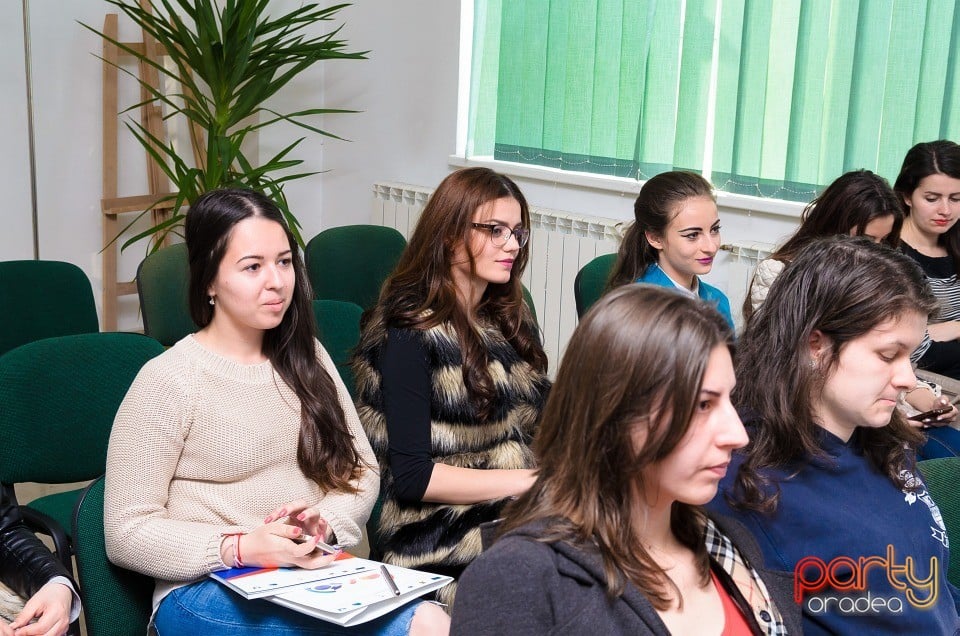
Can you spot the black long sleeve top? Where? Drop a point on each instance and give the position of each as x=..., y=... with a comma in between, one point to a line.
x=405, y=373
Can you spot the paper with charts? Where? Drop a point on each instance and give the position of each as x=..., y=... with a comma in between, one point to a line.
x=349, y=591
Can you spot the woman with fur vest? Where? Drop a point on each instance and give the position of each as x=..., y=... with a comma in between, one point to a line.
x=451, y=375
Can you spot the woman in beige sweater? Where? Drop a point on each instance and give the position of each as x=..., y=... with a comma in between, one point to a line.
x=240, y=438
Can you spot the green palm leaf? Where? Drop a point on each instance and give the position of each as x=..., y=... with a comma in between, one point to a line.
x=228, y=57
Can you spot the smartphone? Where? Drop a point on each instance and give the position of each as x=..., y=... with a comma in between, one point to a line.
x=323, y=547
x=919, y=417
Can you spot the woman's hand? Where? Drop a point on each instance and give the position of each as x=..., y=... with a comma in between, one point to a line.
x=938, y=420
x=50, y=606
x=944, y=331
x=307, y=518
x=273, y=545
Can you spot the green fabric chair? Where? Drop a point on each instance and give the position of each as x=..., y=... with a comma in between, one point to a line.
x=942, y=476
x=58, y=399
x=338, y=328
x=116, y=602
x=590, y=282
x=163, y=280
x=351, y=262
x=42, y=299
x=338, y=325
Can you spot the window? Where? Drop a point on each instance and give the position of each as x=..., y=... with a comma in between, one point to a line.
x=765, y=98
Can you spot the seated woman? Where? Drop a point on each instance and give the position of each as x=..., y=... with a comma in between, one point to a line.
x=828, y=483
x=451, y=376
x=610, y=539
x=35, y=576
x=240, y=439
x=858, y=203
x=674, y=238
x=929, y=186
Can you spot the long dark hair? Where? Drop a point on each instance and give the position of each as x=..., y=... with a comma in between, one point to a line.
x=655, y=207
x=923, y=160
x=843, y=287
x=637, y=359
x=325, y=451
x=851, y=202
x=421, y=293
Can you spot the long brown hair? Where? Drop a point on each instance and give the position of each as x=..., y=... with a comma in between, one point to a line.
x=325, y=450
x=655, y=207
x=843, y=287
x=921, y=161
x=853, y=200
x=639, y=353
x=421, y=292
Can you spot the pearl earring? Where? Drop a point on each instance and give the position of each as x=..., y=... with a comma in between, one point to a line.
x=211, y=301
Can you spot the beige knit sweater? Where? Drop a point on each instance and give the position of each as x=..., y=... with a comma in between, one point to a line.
x=203, y=446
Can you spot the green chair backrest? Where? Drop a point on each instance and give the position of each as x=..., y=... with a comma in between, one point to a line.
x=941, y=476
x=116, y=602
x=351, y=262
x=42, y=299
x=338, y=327
x=58, y=399
x=528, y=298
x=591, y=280
x=163, y=280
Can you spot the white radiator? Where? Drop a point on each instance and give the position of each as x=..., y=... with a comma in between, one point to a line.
x=561, y=243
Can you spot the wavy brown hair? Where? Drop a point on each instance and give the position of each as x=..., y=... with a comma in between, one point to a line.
x=655, y=207
x=921, y=161
x=853, y=200
x=421, y=293
x=639, y=353
x=325, y=450
x=843, y=287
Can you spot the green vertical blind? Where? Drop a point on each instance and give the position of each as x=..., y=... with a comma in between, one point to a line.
x=765, y=98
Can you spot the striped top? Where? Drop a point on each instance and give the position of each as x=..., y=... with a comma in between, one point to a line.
x=942, y=276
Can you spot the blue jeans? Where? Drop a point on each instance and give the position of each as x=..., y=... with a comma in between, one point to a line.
x=942, y=441
x=207, y=607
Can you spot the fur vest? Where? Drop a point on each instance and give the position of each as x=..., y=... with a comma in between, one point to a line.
x=445, y=538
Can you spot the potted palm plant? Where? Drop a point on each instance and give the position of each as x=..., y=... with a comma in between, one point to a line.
x=228, y=57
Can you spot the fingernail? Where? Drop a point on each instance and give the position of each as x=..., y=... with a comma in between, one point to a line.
x=296, y=532
x=301, y=516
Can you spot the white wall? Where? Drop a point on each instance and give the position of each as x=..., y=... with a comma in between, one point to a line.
x=67, y=85
x=16, y=239
x=408, y=92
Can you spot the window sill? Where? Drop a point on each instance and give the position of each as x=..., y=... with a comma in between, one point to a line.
x=619, y=185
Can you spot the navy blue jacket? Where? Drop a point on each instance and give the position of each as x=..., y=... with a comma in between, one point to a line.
x=849, y=525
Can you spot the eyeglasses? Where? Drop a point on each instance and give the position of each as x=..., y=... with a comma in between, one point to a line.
x=500, y=234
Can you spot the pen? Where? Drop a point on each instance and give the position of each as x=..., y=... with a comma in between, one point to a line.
x=389, y=579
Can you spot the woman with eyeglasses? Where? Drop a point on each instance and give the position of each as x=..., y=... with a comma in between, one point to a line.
x=451, y=376
x=674, y=239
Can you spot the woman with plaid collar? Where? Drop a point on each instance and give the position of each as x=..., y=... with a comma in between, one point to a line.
x=636, y=435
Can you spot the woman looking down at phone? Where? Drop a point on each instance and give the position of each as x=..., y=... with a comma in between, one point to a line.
x=929, y=187
x=858, y=203
x=611, y=539
x=240, y=439
x=828, y=484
